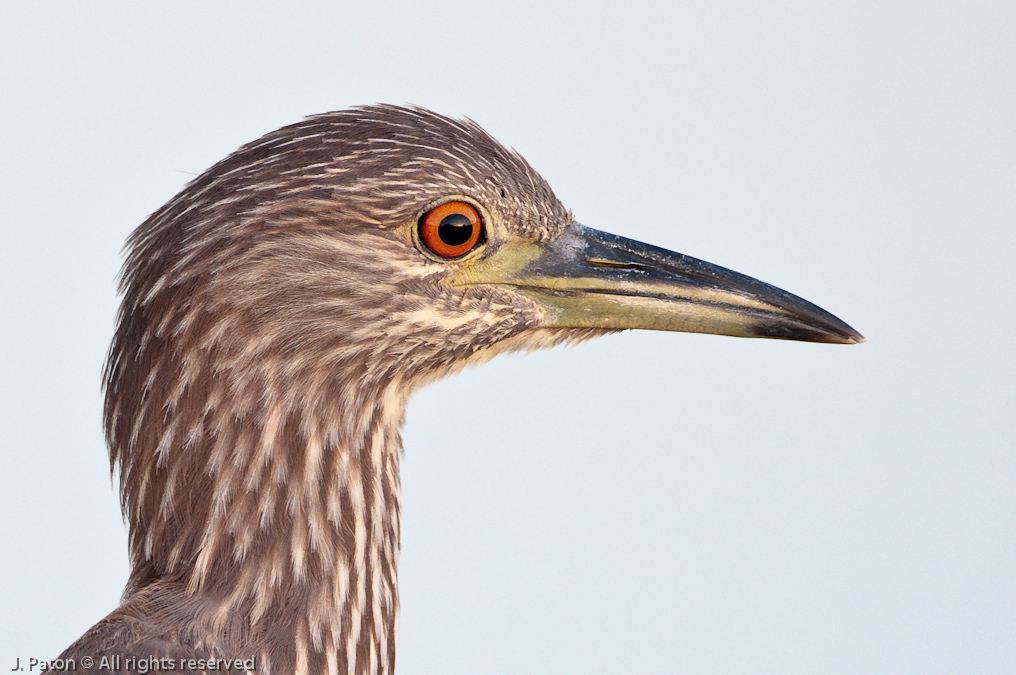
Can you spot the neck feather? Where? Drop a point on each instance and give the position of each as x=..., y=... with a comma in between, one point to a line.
x=275, y=506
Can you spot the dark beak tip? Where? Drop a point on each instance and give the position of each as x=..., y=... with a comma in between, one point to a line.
x=828, y=333
x=845, y=337
x=848, y=337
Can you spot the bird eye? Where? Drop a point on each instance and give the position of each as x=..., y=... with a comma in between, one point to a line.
x=451, y=230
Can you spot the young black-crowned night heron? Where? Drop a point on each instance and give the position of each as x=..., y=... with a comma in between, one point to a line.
x=278, y=312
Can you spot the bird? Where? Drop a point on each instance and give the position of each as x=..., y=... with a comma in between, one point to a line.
x=276, y=315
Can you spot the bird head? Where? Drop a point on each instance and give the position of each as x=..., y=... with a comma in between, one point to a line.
x=391, y=243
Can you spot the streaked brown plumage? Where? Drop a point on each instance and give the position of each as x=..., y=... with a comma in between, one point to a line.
x=276, y=315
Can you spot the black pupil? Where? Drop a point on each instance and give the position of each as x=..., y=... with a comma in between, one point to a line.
x=455, y=229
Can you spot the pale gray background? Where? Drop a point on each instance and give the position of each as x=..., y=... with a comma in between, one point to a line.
x=647, y=502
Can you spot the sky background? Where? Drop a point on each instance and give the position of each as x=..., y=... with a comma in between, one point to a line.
x=646, y=502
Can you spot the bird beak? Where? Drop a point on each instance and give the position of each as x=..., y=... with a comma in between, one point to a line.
x=591, y=279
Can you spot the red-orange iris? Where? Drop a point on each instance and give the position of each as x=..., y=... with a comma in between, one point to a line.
x=451, y=230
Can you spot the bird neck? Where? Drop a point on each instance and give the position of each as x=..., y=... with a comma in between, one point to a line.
x=278, y=520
